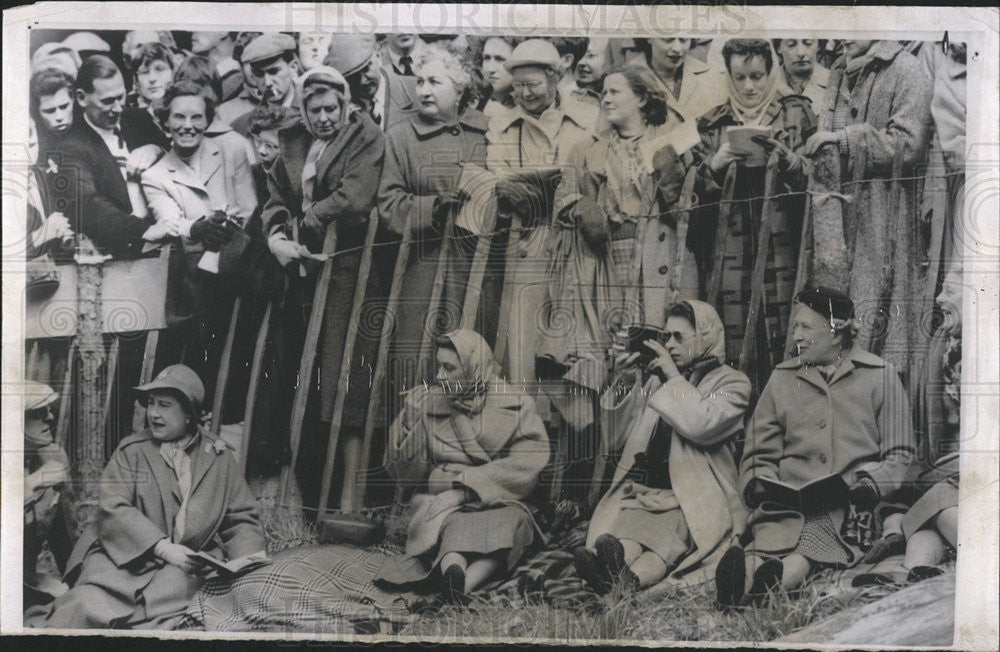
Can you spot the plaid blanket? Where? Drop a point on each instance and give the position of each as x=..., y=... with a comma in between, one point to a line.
x=321, y=589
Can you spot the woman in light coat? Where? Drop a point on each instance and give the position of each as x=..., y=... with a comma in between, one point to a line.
x=674, y=503
x=473, y=449
x=202, y=192
x=835, y=413
x=167, y=493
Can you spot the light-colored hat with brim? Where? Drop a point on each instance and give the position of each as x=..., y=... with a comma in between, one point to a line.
x=180, y=378
x=38, y=395
x=533, y=52
x=87, y=42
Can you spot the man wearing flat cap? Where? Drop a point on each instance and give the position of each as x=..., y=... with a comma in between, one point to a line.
x=273, y=61
x=385, y=95
x=833, y=410
x=537, y=134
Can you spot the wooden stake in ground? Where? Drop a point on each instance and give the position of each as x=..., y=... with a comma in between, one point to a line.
x=352, y=444
x=353, y=496
x=255, y=366
x=90, y=388
x=754, y=311
x=307, y=362
x=719, y=243
x=801, y=268
x=222, y=377
x=683, y=221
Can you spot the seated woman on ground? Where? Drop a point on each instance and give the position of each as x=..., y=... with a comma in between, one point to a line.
x=835, y=414
x=473, y=449
x=168, y=492
x=674, y=504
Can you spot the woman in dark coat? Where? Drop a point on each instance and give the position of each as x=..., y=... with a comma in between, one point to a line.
x=327, y=172
x=755, y=100
x=424, y=163
x=473, y=448
x=168, y=492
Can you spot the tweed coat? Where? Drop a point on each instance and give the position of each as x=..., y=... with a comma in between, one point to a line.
x=889, y=113
x=119, y=582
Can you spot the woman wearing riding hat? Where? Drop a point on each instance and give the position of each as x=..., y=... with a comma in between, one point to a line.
x=473, y=448
x=169, y=491
x=834, y=410
x=674, y=503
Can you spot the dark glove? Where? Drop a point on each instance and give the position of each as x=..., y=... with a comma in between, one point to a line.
x=669, y=175
x=865, y=494
x=447, y=203
x=211, y=233
x=593, y=224
x=525, y=200
x=313, y=227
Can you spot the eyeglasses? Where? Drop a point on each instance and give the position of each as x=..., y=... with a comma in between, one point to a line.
x=527, y=86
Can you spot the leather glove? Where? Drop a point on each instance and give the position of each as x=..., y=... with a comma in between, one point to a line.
x=865, y=494
x=447, y=203
x=211, y=233
x=593, y=224
x=669, y=175
x=525, y=200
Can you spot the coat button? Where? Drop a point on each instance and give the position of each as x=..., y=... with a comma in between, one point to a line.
x=522, y=254
x=663, y=269
x=663, y=236
x=854, y=111
x=821, y=424
x=822, y=458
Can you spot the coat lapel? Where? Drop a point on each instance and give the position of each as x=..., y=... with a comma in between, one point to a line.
x=202, y=457
x=211, y=161
x=331, y=154
x=166, y=481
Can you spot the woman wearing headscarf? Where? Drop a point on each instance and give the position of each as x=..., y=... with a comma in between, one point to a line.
x=168, y=492
x=674, y=503
x=472, y=448
x=425, y=158
x=755, y=100
x=326, y=173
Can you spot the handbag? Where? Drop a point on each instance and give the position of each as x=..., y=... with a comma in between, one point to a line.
x=43, y=278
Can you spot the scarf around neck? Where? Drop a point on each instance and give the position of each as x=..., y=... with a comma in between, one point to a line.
x=476, y=358
x=751, y=114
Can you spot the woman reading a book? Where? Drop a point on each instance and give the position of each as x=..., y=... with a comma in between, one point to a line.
x=472, y=447
x=169, y=493
x=831, y=434
x=674, y=504
x=755, y=122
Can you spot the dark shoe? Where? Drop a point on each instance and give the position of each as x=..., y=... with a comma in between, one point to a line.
x=611, y=554
x=453, y=584
x=887, y=546
x=730, y=577
x=589, y=569
x=872, y=579
x=921, y=573
x=766, y=578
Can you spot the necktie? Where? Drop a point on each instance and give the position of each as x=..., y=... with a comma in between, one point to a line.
x=406, y=63
x=118, y=134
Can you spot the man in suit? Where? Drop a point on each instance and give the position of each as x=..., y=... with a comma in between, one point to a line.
x=385, y=95
x=91, y=161
x=399, y=51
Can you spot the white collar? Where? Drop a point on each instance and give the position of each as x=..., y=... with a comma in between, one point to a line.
x=101, y=131
x=226, y=66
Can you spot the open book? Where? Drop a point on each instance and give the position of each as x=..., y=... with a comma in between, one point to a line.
x=741, y=139
x=830, y=491
x=232, y=567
